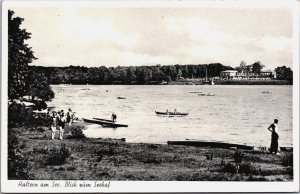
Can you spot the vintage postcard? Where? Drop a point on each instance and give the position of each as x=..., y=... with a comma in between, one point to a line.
x=150, y=96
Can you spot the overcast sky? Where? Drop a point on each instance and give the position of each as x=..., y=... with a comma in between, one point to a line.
x=150, y=36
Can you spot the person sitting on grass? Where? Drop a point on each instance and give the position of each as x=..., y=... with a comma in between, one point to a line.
x=274, y=137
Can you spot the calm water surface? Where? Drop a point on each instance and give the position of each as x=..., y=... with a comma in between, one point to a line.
x=239, y=114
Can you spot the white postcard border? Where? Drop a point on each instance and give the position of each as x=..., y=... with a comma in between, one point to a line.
x=11, y=186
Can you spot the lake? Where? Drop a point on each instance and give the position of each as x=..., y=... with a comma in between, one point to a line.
x=238, y=114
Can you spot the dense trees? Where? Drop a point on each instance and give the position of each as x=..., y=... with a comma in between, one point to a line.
x=284, y=73
x=19, y=56
x=257, y=67
x=128, y=75
x=22, y=79
x=39, y=85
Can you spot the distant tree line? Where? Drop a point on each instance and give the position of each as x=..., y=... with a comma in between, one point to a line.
x=127, y=75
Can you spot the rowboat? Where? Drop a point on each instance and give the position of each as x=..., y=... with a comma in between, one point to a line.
x=104, y=123
x=121, y=97
x=171, y=113
x=212, y=144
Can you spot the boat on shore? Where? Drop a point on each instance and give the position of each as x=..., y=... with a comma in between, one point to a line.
x=212, y=144
x=171, y=113
x=107, y=120
x=104, y=123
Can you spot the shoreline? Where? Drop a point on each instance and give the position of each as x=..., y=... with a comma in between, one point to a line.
x=197, y=82
x=115, y=159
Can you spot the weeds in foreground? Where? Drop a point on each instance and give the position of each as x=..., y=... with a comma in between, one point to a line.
x=287, y=159
x=58, y=156
x=18, y=167
x=77, y=132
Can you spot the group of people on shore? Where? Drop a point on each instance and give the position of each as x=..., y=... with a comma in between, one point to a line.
x=59, y=119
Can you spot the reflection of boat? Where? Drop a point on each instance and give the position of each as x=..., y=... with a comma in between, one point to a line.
x=286, y=149
x=121, y=97
x=104, y=123
x=171, y=113
x=209, y=94
x=213, y=144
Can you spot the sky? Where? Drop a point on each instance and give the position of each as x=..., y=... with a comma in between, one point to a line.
x=149, y=36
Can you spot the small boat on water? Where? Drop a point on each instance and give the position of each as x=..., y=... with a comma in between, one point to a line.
x=267, y=92
x=104, y=123
x=212, y=144
x=171, y=113
x=121, y=97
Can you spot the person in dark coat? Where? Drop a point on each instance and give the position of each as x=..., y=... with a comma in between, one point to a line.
x=273, y=128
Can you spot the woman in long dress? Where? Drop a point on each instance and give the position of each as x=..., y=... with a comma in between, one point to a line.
x=274, y=137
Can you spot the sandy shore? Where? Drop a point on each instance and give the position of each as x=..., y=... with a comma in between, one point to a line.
x=113, y=159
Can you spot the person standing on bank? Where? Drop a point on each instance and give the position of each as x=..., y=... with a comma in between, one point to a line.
x=274, y=140
x=53, y=124
x=114, y=117
x=62, y=120
x=69, y=116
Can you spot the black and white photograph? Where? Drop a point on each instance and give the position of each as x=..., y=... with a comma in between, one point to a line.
x=150, y=96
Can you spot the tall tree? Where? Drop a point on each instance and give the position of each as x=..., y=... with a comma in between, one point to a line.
x=257, y=67
x=39, y=86
x=19, y=56
x=284, y=73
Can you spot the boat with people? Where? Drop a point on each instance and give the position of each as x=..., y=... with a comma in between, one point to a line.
x=121, y=97
x=167, y=113
x=208, y=94
x=104, y=123
x=267, y=92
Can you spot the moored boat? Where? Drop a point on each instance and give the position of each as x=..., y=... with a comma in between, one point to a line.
x=212, y=144
x=104, y=123
x=107, y=120
x=171, y=113
x=121, y=97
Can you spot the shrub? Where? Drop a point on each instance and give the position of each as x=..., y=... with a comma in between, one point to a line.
x=246, y=168
x=287, y=159
x=238, y=156
x=77, y=132
x=58, y=156
x=229, y=167
x=18, y=167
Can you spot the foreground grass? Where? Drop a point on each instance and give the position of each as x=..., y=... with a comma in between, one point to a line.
x=112, y=159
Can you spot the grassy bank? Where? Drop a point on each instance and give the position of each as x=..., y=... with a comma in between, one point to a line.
x=112, y=159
